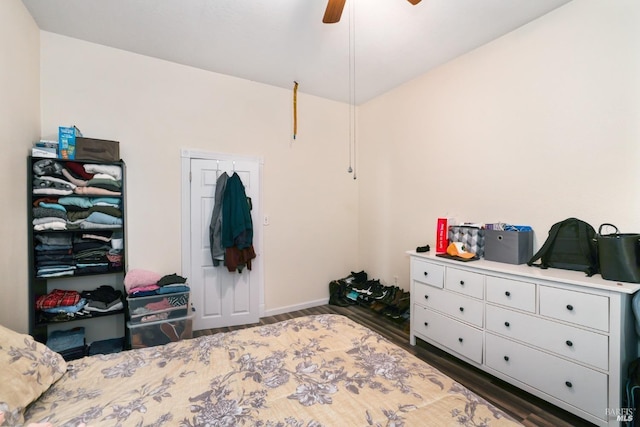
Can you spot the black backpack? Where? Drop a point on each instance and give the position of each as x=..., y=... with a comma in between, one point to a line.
x=571, y=245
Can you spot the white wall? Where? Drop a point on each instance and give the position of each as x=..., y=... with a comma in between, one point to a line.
x=540, y=125
x=155, y=108
x=19, y=127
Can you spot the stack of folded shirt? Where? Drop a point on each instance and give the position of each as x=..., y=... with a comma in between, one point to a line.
x=48, y=179
x=140, y=283
x=57, y=298
x=90, y=255
x=104, y=299
x=102, y=217
x=70, y=343
x=52, y=178
x=53, y=256
x=172, y=283
x=52, y=186
x=108, y=346
x=60, y=305
x=60, y=254
x=48, y=214
x=49, y=219
x=92, y=212
x=106, y=177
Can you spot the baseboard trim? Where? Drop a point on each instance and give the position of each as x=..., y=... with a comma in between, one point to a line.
x=296, y=307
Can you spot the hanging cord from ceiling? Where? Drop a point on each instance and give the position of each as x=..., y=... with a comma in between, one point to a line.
x=350, y=169
x=352, y=88
x=295, y=109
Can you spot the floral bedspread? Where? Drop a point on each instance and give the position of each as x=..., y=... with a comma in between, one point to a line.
x=322, y=370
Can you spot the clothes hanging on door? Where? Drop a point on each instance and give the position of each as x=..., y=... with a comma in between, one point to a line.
x=236, y=231
x=237, y=228
x=215, y=228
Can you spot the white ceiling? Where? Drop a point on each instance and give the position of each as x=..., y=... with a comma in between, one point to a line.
x=278, y=42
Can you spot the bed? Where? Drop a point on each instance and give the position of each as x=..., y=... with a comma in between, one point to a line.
x=320, y=370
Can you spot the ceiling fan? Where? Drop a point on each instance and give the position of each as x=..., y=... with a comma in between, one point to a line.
x=334, y=10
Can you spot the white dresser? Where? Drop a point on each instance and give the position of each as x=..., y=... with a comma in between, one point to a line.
x=557, y=334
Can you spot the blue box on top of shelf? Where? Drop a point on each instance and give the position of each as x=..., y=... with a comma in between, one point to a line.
x=67, y=142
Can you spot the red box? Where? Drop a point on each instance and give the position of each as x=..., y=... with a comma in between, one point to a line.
x=442, y=239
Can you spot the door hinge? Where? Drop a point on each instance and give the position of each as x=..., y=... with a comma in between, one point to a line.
x=189, y=176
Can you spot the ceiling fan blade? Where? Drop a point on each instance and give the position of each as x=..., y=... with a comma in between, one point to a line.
x=333, y=12
x=414, y=2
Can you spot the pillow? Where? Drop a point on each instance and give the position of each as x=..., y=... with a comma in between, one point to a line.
x=28, y=370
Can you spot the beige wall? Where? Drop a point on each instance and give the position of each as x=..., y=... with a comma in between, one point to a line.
x=19, y=126
x=156, y=108
x=540, y=125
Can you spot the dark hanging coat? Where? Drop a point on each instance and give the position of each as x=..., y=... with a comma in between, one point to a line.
x=237, y=226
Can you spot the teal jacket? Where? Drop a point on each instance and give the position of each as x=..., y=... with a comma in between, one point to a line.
x=237, y=227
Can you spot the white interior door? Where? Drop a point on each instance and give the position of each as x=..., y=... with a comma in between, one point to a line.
x=221, y=298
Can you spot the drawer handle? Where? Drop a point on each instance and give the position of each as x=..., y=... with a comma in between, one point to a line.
x=426, y=273
x=461, y=282
x=461, y=309
x=569, y=343
x=506, y=358
x=569, y=307
x=507, y=324
x=460, y=339
x=568, y=384
x=507, y=293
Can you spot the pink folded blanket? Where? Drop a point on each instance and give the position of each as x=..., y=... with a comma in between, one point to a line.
x=137, y=278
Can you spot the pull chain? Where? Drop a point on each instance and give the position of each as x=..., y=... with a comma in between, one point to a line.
x=352, y=88
x=295, y=109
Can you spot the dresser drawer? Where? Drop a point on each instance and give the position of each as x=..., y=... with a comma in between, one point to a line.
x=426, y=272
x=455, y=305
x=575, y=307
x=574, y=343
x=577, y=385
x=458, y=337
x=465, y=282
x=512, y=293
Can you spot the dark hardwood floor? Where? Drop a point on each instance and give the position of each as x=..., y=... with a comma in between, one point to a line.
x=524, y=407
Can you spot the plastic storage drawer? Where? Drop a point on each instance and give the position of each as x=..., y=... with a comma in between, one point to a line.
x=159, y=307
x=158, y=333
